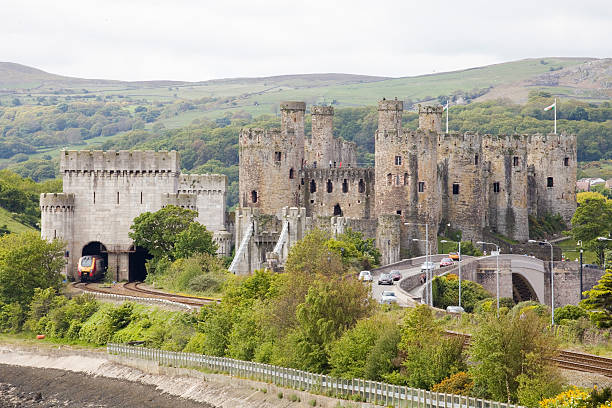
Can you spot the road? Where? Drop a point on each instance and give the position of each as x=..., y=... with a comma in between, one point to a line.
x=403, y=299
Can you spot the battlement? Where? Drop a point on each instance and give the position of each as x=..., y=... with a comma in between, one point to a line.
x=293, y=105
x=505, y=142
x=322, y=110
x=337, y=174
x=259, y=136
x=203, y=182
x=406, y=137
x=429, y=109
x=390, y=105
x=56, y=202
x=182, y=200
x=119, y=161
x=293, y=212
x=551, y=140
x=467, y=140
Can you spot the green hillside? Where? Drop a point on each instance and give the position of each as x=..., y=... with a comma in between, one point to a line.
x=6, y=218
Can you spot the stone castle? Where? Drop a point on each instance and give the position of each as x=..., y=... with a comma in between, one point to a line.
x=478, y=184
x=290, y=183
x=104, y=191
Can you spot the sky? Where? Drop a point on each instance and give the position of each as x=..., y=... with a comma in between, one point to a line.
x=201, y=40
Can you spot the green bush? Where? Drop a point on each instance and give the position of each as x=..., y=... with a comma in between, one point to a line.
x=569, y=312
x=12, y=317
x=446, y=292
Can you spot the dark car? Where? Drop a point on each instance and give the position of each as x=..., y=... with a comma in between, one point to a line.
x=396, y=275
x=385, y=279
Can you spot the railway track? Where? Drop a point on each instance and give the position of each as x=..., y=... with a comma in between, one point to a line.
x=184, y=299
x=134, y=289
x=569, y=360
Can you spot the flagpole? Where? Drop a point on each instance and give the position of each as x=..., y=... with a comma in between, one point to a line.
x=447, y=115
x=555, y=116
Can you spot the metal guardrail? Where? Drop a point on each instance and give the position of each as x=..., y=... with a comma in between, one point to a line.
x=368, y=391
x=150, y=301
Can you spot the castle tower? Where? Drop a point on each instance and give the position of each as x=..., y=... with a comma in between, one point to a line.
x=552, y=161
x=406, y=178
x=271, y=161
x=506, y=189
x=390, y=115
x=430, y=118
x=321, y=149
x=461, y=174
x=56, y=221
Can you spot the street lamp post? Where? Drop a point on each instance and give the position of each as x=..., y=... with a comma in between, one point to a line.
x=552, y=278
x=497, y=272
x=428, y=286
x=457, y=242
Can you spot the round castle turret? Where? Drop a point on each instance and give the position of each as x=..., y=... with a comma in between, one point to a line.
x=271, y=161
x=406, y=176
x=430, y=118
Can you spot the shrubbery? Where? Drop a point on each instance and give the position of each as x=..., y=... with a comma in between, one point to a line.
x=446, y=292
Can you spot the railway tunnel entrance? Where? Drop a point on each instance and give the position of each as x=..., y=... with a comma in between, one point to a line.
x=521, y=289
x=95, y=248
x=138, y=259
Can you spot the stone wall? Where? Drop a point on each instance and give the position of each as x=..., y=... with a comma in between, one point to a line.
x=506, y=189
x=210, y=191
x=347, y=192
x=553, y=161
x=462, y=182
x=270, y=162
x=108, y=190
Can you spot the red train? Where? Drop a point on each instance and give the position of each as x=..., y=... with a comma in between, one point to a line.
x=91, y=268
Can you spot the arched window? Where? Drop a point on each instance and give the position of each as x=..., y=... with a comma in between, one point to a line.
x=389, y=179
x=291, y=175
x=397, y=180
x=361, y=186
x=330, y=186
x=313, y=186
x=405, y=179
x=254, y=196
x=345, y=186
x=337, y=210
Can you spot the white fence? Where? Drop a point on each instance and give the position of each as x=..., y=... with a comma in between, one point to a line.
x=145, y=300
x=355, y=389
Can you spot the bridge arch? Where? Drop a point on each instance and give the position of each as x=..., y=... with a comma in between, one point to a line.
x=522, y=289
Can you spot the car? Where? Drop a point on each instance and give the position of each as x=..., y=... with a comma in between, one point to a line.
x=388, y=297
x=446, y=262
x=454, y=256
x=396, y=275
x=454, y=309
x=365, y=276
x=385, y=279
x=428, y=266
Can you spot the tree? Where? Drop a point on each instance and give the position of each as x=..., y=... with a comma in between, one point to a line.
x=160, y=233
x=430, y=355
x=362, y=351
x=28, y=262
x=195, y=239
x=513, y=351
x=446, y=292
x=330, y=308
x=599, y=300
x=592, y=219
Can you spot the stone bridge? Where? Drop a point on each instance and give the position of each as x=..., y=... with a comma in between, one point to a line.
x=520, y=277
